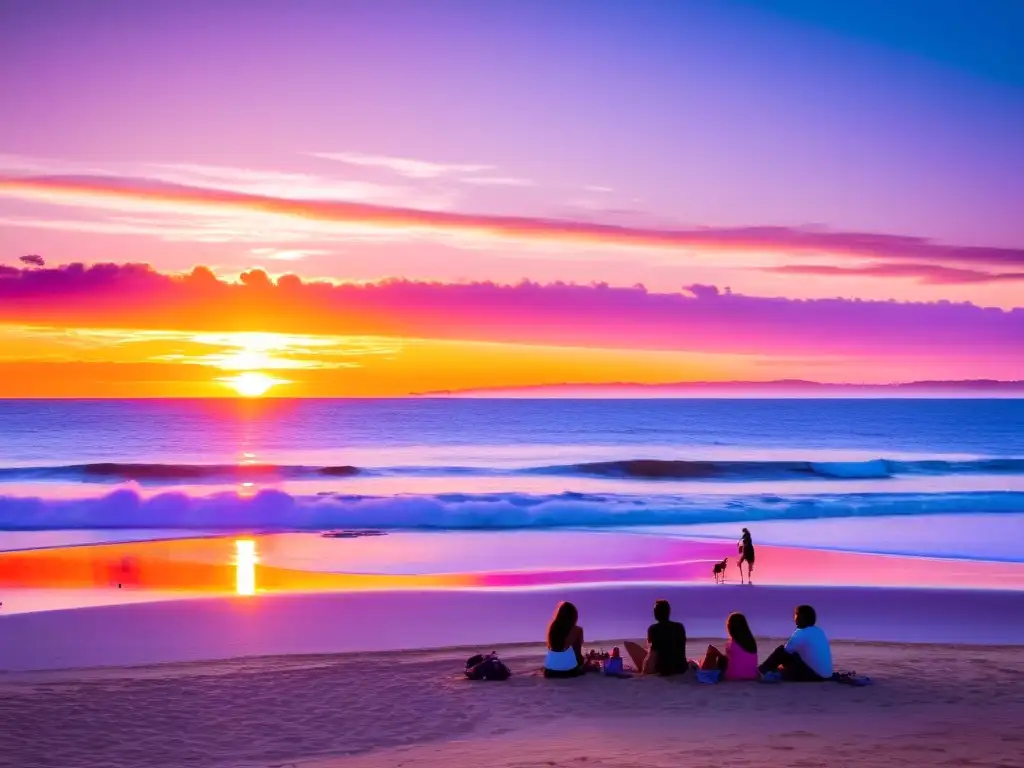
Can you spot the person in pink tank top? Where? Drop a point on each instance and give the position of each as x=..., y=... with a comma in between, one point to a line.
x=739, y=662
x=740, y=650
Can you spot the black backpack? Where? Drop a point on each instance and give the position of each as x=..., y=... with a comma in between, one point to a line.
x=488, y=667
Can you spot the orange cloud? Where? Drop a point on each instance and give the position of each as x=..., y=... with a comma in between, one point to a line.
x=700, y=319
x=41, y=362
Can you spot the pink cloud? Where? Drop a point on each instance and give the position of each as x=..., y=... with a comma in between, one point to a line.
x=699, y=319
x=932, y=274
x=117, y=191
x=404, y=166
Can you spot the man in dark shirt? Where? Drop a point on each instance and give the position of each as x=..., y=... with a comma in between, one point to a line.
x=666, y=645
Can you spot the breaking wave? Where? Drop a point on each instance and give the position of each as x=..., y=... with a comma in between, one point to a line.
x=630, y=469
x=276, y=510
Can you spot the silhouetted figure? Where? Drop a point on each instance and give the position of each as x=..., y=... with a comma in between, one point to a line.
x=746, y=549
x=665, y=653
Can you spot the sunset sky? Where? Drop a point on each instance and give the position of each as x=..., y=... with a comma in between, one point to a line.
x=333, y=198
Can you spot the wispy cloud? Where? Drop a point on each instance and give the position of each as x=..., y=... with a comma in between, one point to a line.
x=931, y=274
x=202, y=225
x=498, y=181
x=227, y=351
x=278, y=183
x=414, y=222
x=700, y=319
x=404, y=166
x=256, y=181
x=288, y=254
x=112, y=226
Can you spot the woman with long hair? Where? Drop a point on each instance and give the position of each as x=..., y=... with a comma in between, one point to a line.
x=565, y=643
x=739, y=662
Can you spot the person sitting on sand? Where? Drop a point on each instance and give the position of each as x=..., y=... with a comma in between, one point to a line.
x=613, y=666
x=739, y=662
x=745, y=547
x=565, y=644
x=807, y=657
x=666, y=645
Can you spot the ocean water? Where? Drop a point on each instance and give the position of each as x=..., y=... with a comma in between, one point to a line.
x=799, y=468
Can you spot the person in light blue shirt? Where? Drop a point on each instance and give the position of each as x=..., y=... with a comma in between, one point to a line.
x=807, y=657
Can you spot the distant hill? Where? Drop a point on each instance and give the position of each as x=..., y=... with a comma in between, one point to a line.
x=777, y=388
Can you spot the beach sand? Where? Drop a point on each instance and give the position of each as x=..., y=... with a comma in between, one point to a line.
x=127, y=678
x=930, y=705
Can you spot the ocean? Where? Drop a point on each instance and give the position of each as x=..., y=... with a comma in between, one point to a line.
x=935, y=477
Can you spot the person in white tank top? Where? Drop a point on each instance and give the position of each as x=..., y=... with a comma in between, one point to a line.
x=564, y=657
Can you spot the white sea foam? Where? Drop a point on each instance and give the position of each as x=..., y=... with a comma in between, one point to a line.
x=277, y=510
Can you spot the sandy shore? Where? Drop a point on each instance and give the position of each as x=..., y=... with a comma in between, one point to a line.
x=930, y=705
x=215, y=628
x=288, y=679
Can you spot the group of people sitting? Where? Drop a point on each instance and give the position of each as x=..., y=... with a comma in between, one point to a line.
x=806, y=657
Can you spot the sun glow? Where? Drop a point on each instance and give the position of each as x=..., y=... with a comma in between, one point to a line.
x=251, y=383
x=245, y=566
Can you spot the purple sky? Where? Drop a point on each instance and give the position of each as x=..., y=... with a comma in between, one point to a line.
x=887, y=135
x=714, y=113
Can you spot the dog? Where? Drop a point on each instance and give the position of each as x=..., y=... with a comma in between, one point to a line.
x=719, y=570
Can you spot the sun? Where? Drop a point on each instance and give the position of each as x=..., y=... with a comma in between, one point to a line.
x=251, y=383
x=245, y=566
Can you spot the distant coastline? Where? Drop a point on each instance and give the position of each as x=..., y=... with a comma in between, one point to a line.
x=979, y=389
x=780, y=388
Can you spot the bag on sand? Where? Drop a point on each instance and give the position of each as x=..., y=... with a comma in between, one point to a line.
x=709, y=676
x=851, y=678
x=488, y=667
x=614, y=667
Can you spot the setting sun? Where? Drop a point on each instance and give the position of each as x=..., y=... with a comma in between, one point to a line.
x=245, y=566
x=251, y=383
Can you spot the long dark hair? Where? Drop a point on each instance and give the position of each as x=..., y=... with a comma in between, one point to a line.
x=562, y=622
x=739, y=630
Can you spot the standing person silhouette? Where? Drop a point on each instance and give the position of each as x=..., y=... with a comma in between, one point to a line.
x=746, y=549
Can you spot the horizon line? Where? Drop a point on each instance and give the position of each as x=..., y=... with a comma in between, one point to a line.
x=775, y=389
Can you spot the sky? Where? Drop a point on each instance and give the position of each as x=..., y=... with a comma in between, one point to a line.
x=335, y=198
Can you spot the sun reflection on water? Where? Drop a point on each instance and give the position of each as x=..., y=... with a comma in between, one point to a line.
x=245, y=566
